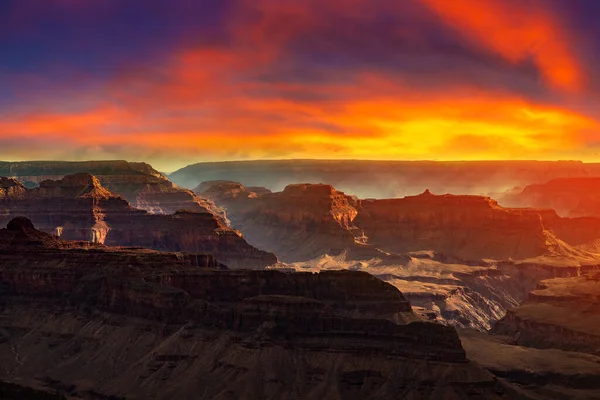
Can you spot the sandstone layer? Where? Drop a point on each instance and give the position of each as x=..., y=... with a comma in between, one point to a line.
x=96, y=322
x=79, y=207
x=469, y=227
x=570, y=197
x=300, y=223
x=537, y=373
x=560, y=313
x=139, y=183
x=463, y=260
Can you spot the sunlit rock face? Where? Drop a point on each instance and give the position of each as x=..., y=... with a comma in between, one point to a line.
x=463, y=260
x=139, y=183
x=469, y=227
x=570, y=197
x=78, y=207
x=302, y=222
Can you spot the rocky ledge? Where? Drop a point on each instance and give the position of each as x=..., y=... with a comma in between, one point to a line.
x=139, y=183
x=96, y=322
x=79, y=207
x=302, y=222
x=561, y=313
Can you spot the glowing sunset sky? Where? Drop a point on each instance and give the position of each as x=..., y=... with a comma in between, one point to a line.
x=174, y=82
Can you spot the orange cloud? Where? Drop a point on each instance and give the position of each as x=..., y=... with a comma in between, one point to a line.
x=517, y=31
x=193, y=118
x=207, y=102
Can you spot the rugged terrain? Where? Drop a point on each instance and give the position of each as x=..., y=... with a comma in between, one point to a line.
x=570, y=197
x=538, y=373
x=95, y=322
x=300, y=223
x=550, y=342
x=387, y=179
x=560, y=313
x=79, y=207
x=143, y=186
x=463, y=259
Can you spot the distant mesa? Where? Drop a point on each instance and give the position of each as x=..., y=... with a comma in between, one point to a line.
x=305, y=221
x=386, y=179
x=570, y=197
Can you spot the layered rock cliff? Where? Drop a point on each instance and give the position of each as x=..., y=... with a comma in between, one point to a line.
x=93, y=322
x=570, y=197
x=469, y=227
x=139, y=183
x=560, y=313
x=300, y=223
x=78, y=207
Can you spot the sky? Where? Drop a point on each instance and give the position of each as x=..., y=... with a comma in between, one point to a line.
x=174, y=82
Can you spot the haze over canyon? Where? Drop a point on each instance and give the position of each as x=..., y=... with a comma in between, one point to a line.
x=299, y=199
x=116, y=282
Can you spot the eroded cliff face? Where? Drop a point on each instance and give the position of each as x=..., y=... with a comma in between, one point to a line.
x=74, y=208
x=301, y=222
x=78, y=207
x=560, y=313
x=464, y=260
x=308, y=221
x=133, y=323
x=570, y=197
x=469, y=227
x=140, y=184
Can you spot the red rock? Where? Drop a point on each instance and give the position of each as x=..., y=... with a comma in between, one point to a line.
x=78, y=207
x=144, y=187
x=469, y=227
x=570, y=197
x=302, y=222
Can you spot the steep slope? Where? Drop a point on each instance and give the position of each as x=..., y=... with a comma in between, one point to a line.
x=468, y=227
x=143, y=186
x=561, y=313
x=300, y=223
x=570, y=197
x=167, y=329
x=78, y=207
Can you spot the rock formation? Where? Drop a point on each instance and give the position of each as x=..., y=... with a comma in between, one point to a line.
x=387, y=179
x=570, y=197
x=469, y=227
x=307, y=221
x=560, y=313
x=78, y=207
x=96, y=322
x=538, y=373
x=300, y=223
x=463, y=259
x=144, y=187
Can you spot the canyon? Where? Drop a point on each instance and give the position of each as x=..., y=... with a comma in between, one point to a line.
x=95, y=322
x=79, y=207
x=139, y=183
x=305, y=292
x=570, y=197
x=387, y=179
x=463, y=260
